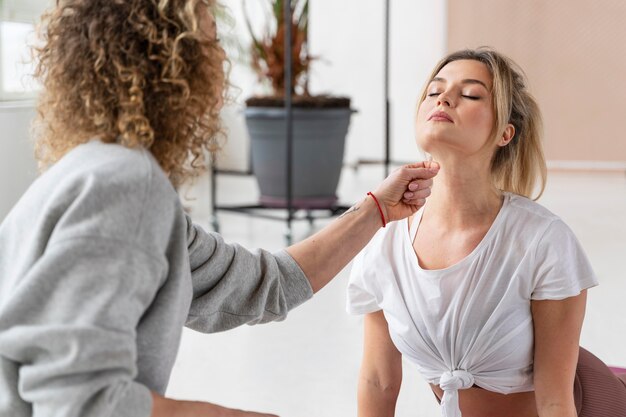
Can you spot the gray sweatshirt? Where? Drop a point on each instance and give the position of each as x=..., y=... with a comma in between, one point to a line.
x=99, y=271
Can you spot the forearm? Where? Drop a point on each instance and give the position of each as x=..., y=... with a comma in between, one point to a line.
x=375, y=400
x=323, y=255
x=558, y=410
x=167, y=407
x=556, y=404
x=327, y=252
x=555, y=399
x=557, y=325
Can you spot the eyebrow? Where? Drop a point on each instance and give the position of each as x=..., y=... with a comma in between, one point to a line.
x=465, y=81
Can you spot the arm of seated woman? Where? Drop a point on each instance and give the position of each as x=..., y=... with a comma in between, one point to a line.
x=381, y=370
x=557, y=325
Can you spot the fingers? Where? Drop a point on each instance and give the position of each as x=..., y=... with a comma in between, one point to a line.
x=413, y=172
x=420, y=184
x=424, y=164
x=417, y=195
x=406, y=189
x=413, y=204
x=418, y=198
x=418, y=190
x=432, y=165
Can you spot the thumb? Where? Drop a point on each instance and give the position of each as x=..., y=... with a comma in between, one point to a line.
x=424, y=164
x=433, y=165
x=420, y=170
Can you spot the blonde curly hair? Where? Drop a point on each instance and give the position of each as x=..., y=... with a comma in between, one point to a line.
x=141, y=73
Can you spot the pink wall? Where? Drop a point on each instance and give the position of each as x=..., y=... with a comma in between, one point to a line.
x=574, y=56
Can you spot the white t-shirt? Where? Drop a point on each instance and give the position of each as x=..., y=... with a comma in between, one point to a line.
x=471, y=323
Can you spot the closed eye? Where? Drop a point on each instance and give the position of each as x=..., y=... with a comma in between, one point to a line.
x=471, y=97
x=433, y=94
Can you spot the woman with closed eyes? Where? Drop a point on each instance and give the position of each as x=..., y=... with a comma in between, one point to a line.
x=483, y=289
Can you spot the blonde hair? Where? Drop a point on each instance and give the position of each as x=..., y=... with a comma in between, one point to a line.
x=520, y=166
x=140, y=73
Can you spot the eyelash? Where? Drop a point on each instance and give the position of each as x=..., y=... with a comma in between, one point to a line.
x=462, y=95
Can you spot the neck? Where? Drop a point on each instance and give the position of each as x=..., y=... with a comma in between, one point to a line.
x=463, y=193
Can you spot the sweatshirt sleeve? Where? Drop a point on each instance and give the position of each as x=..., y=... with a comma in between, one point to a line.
x=70, y=328
x=233, y=286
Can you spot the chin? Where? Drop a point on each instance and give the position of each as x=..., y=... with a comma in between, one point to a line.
x=429, y=142
x=442, y=147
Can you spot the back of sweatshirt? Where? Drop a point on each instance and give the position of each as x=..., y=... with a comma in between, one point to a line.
x=100, y=269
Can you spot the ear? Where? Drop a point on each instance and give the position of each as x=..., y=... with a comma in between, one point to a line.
x=507, y=136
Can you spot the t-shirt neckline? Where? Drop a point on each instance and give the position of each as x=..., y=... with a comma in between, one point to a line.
x=485, y=240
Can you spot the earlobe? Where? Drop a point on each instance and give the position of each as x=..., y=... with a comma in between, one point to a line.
x=507, y=136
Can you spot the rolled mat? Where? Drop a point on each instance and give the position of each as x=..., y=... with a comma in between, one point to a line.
x=597, y=390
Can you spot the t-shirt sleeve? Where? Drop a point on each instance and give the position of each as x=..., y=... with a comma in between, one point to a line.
x=562, y=269
x=361, y=292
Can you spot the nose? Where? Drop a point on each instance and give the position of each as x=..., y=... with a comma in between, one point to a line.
x=444, y=100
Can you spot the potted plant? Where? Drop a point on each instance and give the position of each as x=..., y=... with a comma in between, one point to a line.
x=320, y=122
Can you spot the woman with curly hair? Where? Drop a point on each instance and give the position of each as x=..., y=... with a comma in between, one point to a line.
x=100, y=268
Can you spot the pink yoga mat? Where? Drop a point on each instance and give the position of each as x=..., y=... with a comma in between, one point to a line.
x=617, y=370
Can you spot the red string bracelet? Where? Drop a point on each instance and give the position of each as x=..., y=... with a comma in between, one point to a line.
x=380, y=210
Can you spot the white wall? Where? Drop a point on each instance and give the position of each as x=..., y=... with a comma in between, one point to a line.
x=348, y=35
x=17, y=164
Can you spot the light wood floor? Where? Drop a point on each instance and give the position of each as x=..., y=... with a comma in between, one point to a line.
x=307, y=366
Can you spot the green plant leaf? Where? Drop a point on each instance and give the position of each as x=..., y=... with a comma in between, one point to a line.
x=303, y=18
x=278, y=11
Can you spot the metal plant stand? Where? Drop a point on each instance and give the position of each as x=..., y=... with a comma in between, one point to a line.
x=265, y=212
x=386, y=162
x=262, y=211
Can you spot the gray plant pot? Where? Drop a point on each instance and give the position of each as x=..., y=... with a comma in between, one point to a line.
x=318, y=146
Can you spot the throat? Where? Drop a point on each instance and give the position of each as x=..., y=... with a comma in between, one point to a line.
x=440, y=250
x=460, y=211
x=446, y=236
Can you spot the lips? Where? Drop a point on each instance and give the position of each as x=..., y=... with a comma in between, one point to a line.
x=440, y=116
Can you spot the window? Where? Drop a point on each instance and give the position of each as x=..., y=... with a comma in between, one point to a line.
x=17, y=30
x=16, y=66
